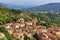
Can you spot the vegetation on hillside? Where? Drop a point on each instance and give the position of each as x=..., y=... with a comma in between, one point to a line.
x=44, y=18
x=10, y=15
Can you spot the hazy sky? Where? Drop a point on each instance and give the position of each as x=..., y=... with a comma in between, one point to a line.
x=35, y=2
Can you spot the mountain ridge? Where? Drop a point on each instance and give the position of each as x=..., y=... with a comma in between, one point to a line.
x=14, y=6
x=45, y=7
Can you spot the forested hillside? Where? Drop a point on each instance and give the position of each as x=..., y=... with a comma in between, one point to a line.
x=10, y=15
x=50, y=17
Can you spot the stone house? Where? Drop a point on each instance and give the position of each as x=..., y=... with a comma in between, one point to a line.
x=19, y=34
x=29, y=23
x=1, y=35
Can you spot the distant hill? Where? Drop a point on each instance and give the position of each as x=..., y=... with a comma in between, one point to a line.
x=45, y=7
x=11, y=6
x=14, y=6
